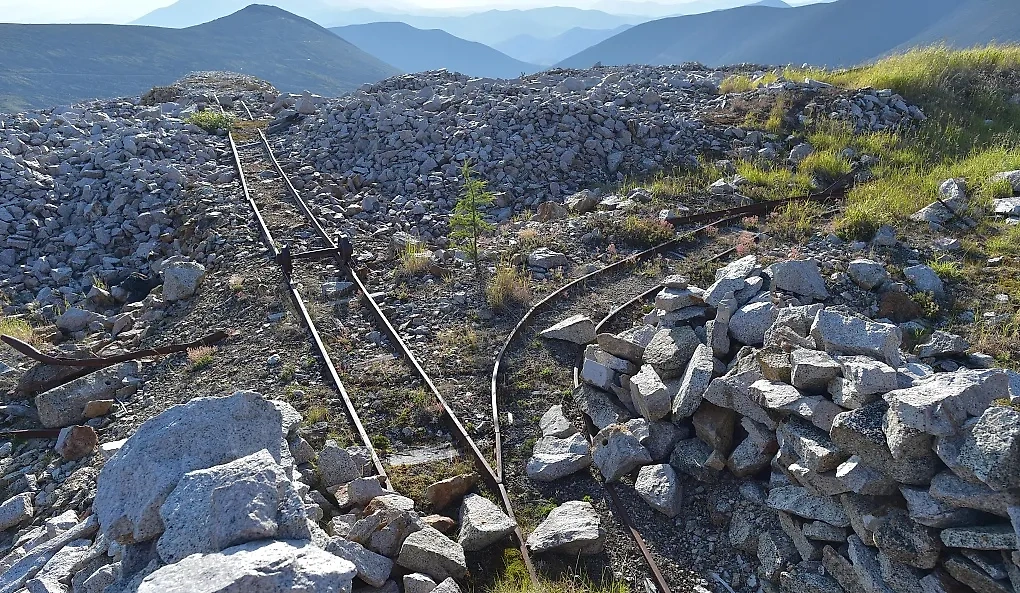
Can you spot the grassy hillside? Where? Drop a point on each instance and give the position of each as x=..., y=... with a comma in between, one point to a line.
x=418, y=50
x=972, y=132
x=837, y=34
x=86, y=61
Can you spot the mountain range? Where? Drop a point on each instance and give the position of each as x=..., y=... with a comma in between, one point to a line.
x=489, y=26
x=841, y=33
x=294, y=53
x=548, y=51
x=87, y=61
x=416, y=50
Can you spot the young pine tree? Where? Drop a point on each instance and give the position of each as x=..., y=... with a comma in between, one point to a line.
x=467, y=223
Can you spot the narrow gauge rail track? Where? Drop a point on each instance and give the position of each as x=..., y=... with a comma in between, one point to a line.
x=326, y=246
x=592, y=430
x=591, y=282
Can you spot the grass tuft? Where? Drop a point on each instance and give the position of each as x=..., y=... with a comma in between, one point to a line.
x=414, y=259
x=508, y=287
x=946, y=269
x=201, y=357
x=17, y=327
x=211, y=121
x=641, y=231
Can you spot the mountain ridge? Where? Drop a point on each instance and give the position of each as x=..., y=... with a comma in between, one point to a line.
x=837, y=34
x=415, y=50
x=532, y=49
x=90, y=61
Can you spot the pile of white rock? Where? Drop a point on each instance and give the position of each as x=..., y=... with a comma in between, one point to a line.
x=223, y=495
x=883, y=474
x=544, y=136
x=88, y=193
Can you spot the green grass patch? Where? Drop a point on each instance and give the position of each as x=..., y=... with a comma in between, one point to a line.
x=514, y=579
x=772, y=183
x=17, y=327
x=211, y=121
x=826, y=165
x=1006, y=243
x=972, y=131
x=666, y=186
x=641, y=231
x=795, y=222
x=946, y=269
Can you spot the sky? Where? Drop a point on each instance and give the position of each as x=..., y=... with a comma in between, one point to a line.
x=125, y=11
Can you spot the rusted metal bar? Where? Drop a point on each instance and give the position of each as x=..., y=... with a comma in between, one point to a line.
x=105, y=361
x=32, y=433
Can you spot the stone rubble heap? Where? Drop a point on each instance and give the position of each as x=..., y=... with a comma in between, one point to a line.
x=537, y=139
x=884, y=475
x=222, y=495
x=89, y=196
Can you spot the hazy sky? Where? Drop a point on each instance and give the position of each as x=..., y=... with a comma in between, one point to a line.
x=125, y=11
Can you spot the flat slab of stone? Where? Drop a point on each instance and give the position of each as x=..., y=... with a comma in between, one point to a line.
x=988, y=537
x=953, y=490
x=940, y=404
x=839, y=333
x=660, y=487
x=926, y=510
x=482, y=523
x=812, y=370
x=553, y=458
x=628, y=344
x=372, y=568
x=577, y=329
x=65, y=405
x=434, y=554
x=267, y=566
x=798, y=501
x=694, y=383
x=572, y=529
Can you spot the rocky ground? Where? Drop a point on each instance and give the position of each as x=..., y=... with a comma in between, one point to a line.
x=791, y=420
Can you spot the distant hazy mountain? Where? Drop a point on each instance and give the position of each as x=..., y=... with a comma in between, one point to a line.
x=490, y=26
x=417, y=50
x=841, y=33
x=549, y=51
x=976, y=22
x=87, y=61
x=187, y=13
x=665, y=9
x=772, y=3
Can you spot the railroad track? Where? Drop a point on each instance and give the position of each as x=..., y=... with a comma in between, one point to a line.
x=605, y=283
x=279, y=211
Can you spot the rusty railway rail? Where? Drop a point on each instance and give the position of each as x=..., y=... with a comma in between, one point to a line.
x=592, y=430
x=488, y=473
x=835, y=191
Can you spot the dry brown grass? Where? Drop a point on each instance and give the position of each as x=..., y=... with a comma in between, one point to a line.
x=508, y=287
